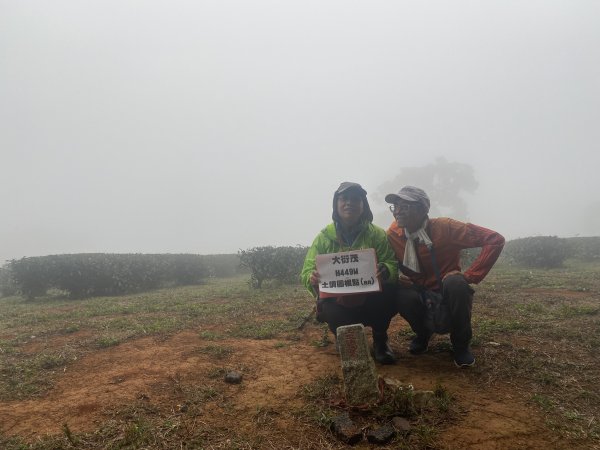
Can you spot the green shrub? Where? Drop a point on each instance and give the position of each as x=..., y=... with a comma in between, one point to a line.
x=7, y=282
x=584, y=248
x=273, y=263
x=538, y=251
x=88, y=274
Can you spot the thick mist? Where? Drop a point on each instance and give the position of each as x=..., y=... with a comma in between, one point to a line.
x=206, y=127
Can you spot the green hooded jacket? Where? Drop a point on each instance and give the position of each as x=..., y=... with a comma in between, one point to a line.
x=327, y=241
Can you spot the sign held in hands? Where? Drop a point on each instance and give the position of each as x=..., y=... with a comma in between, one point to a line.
x=347, y=273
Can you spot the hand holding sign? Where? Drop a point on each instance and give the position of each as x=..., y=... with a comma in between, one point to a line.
x=347, y=273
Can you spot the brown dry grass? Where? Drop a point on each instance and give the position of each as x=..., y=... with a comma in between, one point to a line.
x=147, y=371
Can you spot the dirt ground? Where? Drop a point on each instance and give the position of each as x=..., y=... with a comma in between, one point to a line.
x=149, y=369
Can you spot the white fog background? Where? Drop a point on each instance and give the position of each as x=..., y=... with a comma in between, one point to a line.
x=212, y=126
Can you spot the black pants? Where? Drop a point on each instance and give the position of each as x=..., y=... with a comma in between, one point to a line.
x=376, y=312
x=459, y=296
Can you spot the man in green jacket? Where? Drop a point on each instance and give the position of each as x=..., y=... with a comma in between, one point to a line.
x=352, y=229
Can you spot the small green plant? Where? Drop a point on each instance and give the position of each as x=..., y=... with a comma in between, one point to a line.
x=216, y=351
x=107, y=341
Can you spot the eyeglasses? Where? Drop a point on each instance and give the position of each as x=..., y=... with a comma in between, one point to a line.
x=401, y=207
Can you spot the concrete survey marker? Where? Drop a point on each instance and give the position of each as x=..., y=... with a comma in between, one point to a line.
x=358, y=369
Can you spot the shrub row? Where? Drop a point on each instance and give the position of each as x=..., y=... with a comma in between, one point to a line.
x=584, y=248
x=273, y=263
x=88, y=274
x=537, y=251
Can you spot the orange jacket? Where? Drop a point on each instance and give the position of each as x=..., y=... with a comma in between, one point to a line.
x=449, y=237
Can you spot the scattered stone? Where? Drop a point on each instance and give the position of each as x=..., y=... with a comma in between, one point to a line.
x=358, y=369
x=401, y=425
x=233, y=377
x=381, y=435
x=422, y=399
x=395, y=384
x=183, y=408
x=345, y=429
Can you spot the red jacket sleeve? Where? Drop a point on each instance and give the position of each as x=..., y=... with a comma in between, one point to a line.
x=468, y=235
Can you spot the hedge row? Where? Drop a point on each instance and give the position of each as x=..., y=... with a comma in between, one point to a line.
x=273, y=263
x=551, y=251
x=89, y=274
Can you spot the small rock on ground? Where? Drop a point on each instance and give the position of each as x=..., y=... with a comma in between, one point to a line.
x=345, y=429
x=233, y=377
x=401, y=425
x=381, y=435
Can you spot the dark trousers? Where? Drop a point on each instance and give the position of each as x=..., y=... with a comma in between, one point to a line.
x=459, y=297
x=376, y=312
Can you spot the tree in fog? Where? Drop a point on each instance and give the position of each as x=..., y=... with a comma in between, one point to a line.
x=444, y=181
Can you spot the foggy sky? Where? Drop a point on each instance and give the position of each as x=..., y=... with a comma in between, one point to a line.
x=210, y=126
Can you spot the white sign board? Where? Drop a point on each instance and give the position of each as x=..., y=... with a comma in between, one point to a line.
x=347, y=273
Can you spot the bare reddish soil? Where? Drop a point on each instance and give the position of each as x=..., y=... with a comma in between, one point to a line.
x=150, y=369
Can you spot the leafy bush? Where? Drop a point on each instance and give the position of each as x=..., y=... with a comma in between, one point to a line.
x=538, y=251
x=273, y=263
x=584, y=248
x=83, y=275
x=7, y=282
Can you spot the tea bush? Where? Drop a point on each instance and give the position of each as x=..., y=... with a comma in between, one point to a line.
x=537, y=251
x=273, y=263
x=88, y=274
x=585, y=248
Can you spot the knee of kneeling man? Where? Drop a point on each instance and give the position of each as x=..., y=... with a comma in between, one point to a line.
x=457, y=283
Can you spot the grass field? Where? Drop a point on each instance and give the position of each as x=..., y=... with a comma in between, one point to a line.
x=146, y=370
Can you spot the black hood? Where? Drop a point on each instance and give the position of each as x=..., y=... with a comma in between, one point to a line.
x=367, y=215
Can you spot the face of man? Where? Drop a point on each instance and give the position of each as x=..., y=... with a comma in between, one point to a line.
x=409, y=215
x=350, y=207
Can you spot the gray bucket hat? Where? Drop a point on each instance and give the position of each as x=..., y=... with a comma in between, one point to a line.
x=410, y=194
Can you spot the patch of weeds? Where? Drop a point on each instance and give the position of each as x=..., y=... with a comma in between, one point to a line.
x=7, y=347
x=210, y=335
x=531, y=308
x=216, y=351
x=107, y=341
x=261, y=330
x=568, y=311
x=443, y=399
x=200, y=394
x=325, y=338
x=397, y=401
x=546, y=378
x=572, y=415
x=323, y=389
x=542, y=401
x=264, y=415
x=72, y=329
x=48, y=362
x=425, y=436
x=489, y=327
x=281, y=345
x=216, y=372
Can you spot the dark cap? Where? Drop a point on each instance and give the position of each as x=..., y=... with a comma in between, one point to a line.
x=410, y=194
x=346, y=185
x=349, y=186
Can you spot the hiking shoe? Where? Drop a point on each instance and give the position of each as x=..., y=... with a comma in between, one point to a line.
x=463, y=357
x=383, y=353
x=419, y=345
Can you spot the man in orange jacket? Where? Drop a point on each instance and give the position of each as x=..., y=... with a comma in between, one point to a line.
x=428, y=251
